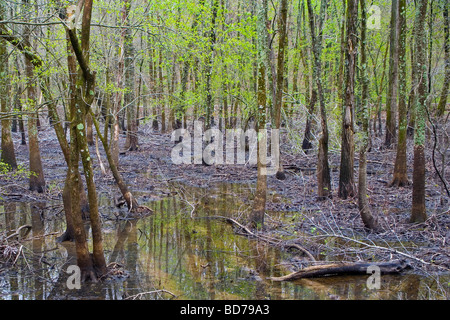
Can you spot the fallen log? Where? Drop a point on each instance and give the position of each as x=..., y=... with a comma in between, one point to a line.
x=337, y=269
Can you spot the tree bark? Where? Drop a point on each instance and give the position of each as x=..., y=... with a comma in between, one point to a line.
x=391, y=99
x=8, y=155
x=400, y=178
x=323, y=169
x=346, y=173
x=84, y=97
x=445, y=87
x=129, y=96
x=282, y=29
x=37, y=180
x=418, y=211
x=363, y=205
x=259, y=203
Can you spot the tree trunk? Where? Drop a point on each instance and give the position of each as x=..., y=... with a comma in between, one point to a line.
x=161, y=98
x=130, y=93
x=85, y=95
x=418, y=212
x=364, y=210
x=282, y=28
x=37, y=181
x=323, y=169
x=445, y=88
x=400, y=175
x=8, y=155
x=259, y=203
x=391, y=99
x=209, y=66
x=346, y=174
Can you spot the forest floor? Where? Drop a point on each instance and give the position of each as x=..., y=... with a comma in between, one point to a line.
x=312, y=223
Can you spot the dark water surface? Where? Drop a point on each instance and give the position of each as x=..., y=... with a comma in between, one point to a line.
x=175, y=251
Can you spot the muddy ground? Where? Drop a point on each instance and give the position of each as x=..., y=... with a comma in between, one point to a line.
x=151, y=175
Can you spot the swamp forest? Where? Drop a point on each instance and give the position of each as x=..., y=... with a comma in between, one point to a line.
x=224, y=150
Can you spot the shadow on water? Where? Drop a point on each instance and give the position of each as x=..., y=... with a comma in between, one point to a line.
x=175, y=250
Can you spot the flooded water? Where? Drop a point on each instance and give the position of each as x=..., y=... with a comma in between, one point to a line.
x=176, y=251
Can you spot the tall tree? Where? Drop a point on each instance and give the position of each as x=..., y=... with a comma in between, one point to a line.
x=391, y=99
x=323, y=169
x=445, y=87
x=259, y=204
x=130, y=91
x=346, y=173
x=364, y=210
x=95, y=266
x=400, y=169
x=37, y=180
x=209, y=64
x=282, y=29
x=418, y=211
x=8, y=156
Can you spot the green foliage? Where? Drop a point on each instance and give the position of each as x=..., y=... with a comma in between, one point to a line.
x=7, y=174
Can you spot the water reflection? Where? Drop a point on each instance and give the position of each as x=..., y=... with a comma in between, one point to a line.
x=175, y=250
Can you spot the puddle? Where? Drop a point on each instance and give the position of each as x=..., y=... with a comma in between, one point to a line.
x=175, y=251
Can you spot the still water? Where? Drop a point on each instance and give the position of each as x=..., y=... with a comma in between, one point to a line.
x=174, y=254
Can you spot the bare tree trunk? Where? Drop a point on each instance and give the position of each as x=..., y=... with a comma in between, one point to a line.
x=445, y=88
x=8, y=155
x=37, y=181
x=346, y=173
x=209, y=65
x=161, y=97
x=79, y=147
x=364, y=210
x=282, y=28
x=130, y=93
x=323, y=169
x=400, y=169
x=259, y=203
x=391, y=99
x=418, y=211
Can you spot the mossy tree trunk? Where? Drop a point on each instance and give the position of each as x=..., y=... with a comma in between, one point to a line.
x=400, y=169
x=323, y=169
x=8, y=155
x=418, y=211
x=346, y=173
x=391, y=99
x=363, y=205
x=445, y=88
x=259, y=203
